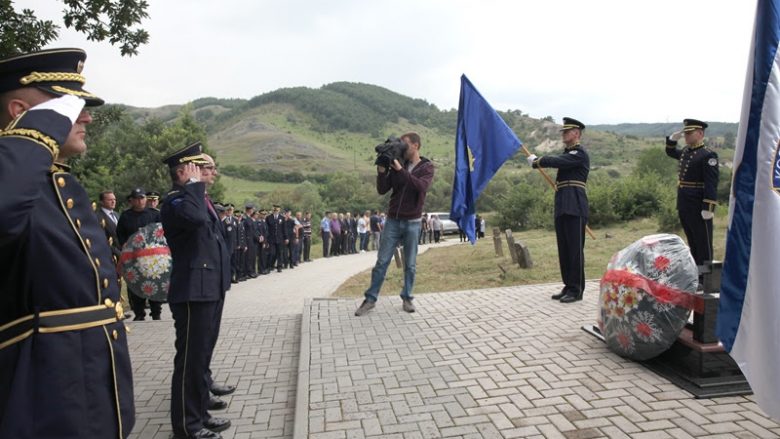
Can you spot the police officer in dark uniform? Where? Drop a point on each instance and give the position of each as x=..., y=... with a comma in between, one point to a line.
x=64, y=364
x=262, y=244
x=697, y=187
x=243, y=242
x=571, y=207
x=250, y=269
x=276, y=238
x=129, y=222
x=153, y=200
x=230, y=224
x=200, y=277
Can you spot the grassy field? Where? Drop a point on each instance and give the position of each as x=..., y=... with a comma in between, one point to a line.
x=239, y=190
x=463, y=267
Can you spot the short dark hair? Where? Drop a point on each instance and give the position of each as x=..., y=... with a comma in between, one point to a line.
x=413, y=137
x=103, y=194
x=172, y=172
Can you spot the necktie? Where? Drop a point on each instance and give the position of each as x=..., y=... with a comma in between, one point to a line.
x=113, y=217
x=211, y=208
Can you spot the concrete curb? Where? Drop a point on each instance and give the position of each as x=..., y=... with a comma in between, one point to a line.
x=301, y=425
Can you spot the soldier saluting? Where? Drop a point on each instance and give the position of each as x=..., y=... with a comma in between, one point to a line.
x=697, y=187
x=200, y=277
x=64, y=364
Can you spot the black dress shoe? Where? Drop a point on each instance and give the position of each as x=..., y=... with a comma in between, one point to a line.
x=570, y=298
x=216, y=403
x=558, y=296
x=222, y=390
x=217, y=424
x=202, y=434
x=233, y=281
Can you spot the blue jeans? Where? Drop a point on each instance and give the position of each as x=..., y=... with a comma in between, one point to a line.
x=395, y=232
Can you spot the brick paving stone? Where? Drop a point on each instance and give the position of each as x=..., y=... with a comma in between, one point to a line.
x=259, y=356
x=504, y=362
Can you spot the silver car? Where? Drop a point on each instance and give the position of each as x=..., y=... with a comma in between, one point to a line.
x=449, y=225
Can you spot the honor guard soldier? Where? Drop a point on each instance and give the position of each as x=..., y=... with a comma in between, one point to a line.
x=200, y=276
x=243, y=242
x=64, y=364
x=571, y=207
x=697, y=187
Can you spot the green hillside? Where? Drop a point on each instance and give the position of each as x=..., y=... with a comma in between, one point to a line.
x=335, y=128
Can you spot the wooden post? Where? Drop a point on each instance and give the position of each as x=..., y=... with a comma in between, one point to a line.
x=523, y=256
x=510, y=242
x=497, y=242
x=399, y=261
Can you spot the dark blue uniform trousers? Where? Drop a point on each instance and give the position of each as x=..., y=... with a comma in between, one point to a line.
x=570, y=234
x=196, y=326
x=699, y=234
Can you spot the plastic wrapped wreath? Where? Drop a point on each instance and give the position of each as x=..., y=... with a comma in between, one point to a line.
x=646, y=296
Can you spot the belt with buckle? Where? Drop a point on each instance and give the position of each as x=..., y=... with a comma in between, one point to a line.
x=571, y=183
x=690, y=184
x=61, y=320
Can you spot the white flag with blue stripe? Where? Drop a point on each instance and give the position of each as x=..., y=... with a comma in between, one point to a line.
x=749, y=314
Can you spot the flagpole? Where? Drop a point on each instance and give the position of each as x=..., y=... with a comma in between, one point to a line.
x=554, y=186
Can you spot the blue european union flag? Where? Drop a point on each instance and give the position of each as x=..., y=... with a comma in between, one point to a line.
x=482, y=144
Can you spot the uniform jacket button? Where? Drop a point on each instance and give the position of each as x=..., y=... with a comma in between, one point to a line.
x=61, y=182
x=115, y=334
x=109, y=303
x=69, y=203
x=105, y=282
x=88, y=243
x=78, y=223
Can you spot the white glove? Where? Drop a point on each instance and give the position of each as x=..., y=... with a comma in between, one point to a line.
x=69, y=106
x=676, y=135
x=531, y=159
x=707, y=215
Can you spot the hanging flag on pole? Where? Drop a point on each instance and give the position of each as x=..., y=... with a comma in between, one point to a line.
x=750, y=288
x=482, y=144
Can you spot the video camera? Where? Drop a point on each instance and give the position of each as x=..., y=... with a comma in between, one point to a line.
x=392, y=149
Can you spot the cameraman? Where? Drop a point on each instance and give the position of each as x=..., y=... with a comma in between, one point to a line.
x=409, y=183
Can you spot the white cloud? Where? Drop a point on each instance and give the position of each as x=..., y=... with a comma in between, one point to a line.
x=602, y=61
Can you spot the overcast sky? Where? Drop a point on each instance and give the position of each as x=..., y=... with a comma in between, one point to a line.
x=604, y=61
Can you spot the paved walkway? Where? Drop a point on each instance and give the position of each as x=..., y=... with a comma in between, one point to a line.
x=257, y=351
x=504, y=362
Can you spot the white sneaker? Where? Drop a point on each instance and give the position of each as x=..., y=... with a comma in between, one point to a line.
x=362, y=251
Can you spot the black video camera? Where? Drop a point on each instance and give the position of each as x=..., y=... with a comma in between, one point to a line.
x=393, y=149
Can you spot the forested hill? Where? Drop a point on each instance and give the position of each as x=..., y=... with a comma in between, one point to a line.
x=719, y=129
x=335, y=127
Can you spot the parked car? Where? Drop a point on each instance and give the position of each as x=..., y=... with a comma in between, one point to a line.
x=449, y=225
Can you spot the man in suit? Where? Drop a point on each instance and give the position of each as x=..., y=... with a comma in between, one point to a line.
x=697, y=187
x=65, y=368
x=200, y=277
x=108, y=218
x=571, y=207
x=230, y=224
x=277, y=237
x=250, y=262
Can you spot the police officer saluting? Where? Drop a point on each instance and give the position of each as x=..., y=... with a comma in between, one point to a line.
x=697, y=187
x=571, y=207
x=64, y=364
x=200, y=277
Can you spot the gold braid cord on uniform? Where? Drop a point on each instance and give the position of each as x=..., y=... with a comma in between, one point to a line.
x=34, y=135
x=69, y=91
x=52, y=77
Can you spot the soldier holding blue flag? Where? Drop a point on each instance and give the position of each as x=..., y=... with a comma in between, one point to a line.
x=571, y=207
